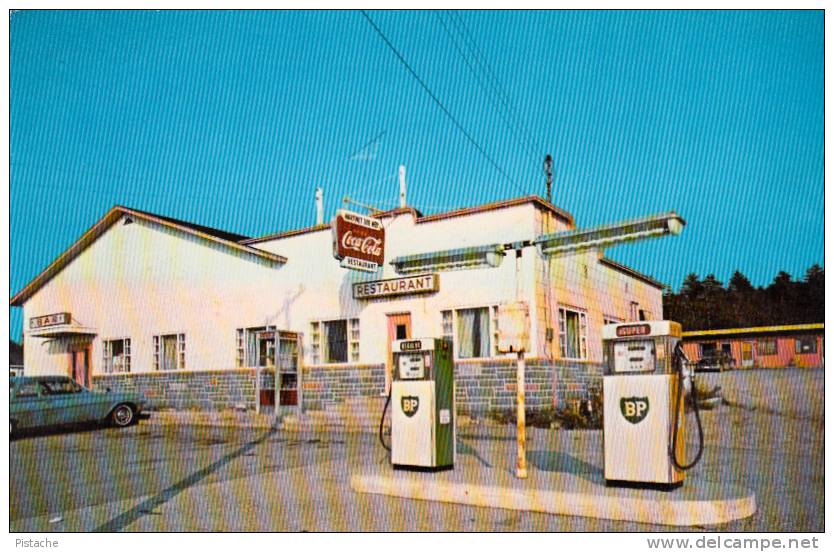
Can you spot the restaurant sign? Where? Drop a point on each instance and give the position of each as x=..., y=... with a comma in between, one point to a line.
x=49, y=320
x=358, y=241
x=425, y=283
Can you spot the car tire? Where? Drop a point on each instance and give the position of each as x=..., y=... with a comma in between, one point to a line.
x=123, y=415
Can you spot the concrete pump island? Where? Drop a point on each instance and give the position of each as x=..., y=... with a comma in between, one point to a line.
x=400, y=322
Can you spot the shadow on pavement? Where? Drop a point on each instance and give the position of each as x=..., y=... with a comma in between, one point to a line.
x=553, y=461
x=148, y=506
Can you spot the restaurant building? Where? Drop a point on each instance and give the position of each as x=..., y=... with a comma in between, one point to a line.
x=189, y=315
x=799, y=345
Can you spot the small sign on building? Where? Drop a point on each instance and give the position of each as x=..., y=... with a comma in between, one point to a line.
x=425, y=283
x=358, y=241
x=513, y=327
x=49, y=320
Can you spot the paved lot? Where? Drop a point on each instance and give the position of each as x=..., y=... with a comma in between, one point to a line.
x=158, y=477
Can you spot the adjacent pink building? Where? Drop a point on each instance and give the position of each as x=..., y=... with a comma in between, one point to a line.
x=800, y=345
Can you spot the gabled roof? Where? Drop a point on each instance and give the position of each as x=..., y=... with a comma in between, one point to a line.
x=222, y=234
x=419, y=218
x=627, y=270
x=115, y=214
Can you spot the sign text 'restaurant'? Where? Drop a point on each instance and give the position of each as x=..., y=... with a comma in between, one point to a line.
x=426, y=283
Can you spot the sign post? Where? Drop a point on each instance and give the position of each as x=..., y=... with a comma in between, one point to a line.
x=513, y=337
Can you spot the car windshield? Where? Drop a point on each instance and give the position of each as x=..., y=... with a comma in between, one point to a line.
x=62, y=387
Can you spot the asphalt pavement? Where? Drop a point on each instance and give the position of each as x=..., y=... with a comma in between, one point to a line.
x=160, y=477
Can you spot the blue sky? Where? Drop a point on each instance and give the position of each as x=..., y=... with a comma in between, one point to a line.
x=231, y=119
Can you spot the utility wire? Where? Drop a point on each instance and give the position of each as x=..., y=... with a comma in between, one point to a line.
x=488, y=93
x=497, y=82
x=439, y=103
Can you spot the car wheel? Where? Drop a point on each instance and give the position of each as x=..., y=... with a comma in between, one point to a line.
x=122, y=415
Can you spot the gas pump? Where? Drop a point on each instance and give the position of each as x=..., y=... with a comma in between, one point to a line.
x=422, y=403
x=643, y=387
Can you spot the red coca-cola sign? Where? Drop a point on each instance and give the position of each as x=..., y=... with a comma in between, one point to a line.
x=358, y=237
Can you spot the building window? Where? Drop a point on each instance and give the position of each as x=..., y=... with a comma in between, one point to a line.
x=169, y=352
x=633, y=311
x=354, y=340
x=255, y=347
x=805, y=345
x=334, y=341
x=707, y=349
x=448, y=325
x=116, y=356
x=473, y=331
x=611, y=320
x=767, y=346
x=573, y=334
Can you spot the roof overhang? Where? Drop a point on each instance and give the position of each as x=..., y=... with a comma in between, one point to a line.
x=760, y=330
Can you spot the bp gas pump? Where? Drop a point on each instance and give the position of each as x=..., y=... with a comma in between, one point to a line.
x=422, y=402
x=643, y=389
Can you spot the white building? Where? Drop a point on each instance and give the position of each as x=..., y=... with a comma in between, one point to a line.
x=185, y=313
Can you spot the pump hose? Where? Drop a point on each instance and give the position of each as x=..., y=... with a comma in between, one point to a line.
x=382, y=421
x=679, y=357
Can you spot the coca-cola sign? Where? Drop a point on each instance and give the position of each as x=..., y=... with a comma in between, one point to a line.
x=358, y=237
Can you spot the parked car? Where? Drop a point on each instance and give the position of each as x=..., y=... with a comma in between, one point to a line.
x=38, y=401
x=715, y=361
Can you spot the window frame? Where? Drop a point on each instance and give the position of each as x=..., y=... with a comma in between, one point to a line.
x=810, y=339
x=157, y=351
x=582, y=332
x=107, y=365
x=319, y=348
x=763, y=350
x=242, y=336
x=449, y=323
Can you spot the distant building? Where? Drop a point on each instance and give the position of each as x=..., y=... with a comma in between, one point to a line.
x=800, y=345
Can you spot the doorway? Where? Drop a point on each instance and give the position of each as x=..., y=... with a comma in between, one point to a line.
x=80, y=366
x=399, y=327
x=747, y=354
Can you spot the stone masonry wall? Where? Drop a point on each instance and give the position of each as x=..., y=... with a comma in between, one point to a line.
x=209, y=390
x=481, y=386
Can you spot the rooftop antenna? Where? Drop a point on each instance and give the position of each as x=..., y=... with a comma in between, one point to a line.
x=319, y=206
x=402, y=186
x=548, y=170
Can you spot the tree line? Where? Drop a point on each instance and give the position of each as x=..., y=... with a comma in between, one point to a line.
x=708, y=305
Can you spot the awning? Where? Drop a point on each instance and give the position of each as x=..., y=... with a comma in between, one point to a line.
x=63, y=330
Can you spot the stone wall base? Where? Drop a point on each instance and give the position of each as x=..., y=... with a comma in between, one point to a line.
x=357, y=392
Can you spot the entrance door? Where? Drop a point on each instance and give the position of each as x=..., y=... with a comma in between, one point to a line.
x=747, y=354
x=399, y=327
x=287, y=369
x=80, y=366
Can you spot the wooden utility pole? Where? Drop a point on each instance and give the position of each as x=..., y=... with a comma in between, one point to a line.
x=521, y=420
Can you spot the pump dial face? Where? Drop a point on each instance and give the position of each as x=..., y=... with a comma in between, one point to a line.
x=411, y=366
x=634, y=356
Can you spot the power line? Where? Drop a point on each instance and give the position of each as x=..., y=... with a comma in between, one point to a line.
x=487, y=92
x=483, y=61
x=439, y=103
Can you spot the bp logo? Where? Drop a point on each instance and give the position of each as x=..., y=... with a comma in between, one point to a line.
x=634, y=409
x=410, y=405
